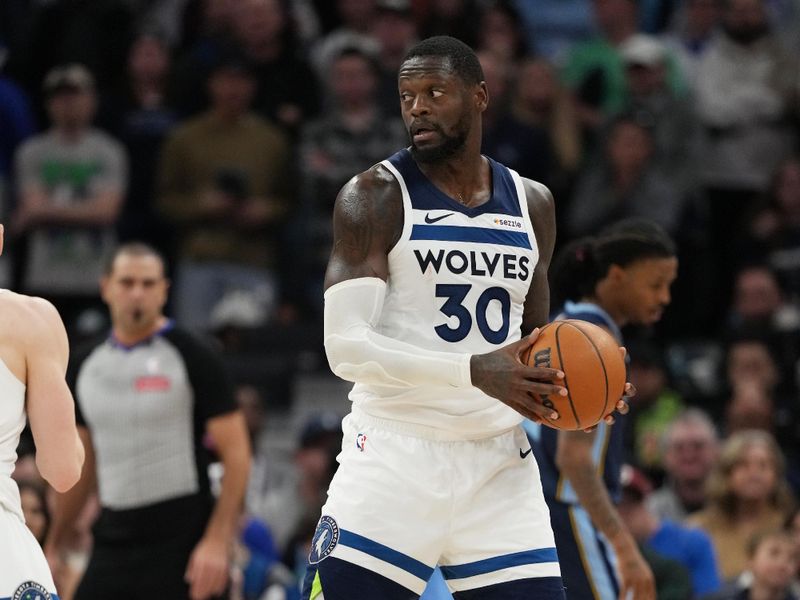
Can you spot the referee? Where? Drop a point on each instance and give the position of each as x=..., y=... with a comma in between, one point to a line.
x=147, y=397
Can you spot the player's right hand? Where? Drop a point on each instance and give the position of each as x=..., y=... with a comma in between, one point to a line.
x=502, y=374
x=636, y=579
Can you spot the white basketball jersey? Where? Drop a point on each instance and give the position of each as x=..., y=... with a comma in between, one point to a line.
x=457, y=282
x=12, y=422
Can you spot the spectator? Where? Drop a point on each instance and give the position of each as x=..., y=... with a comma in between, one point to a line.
x=355, y=134
x=756, y=397
x=145, y=398
x=207, y=30
x=772, y=558
x=691, y=548
x=224, y=184
x=34, y=508
x=284, y=509
x=273, y=464
x=553, y=27
x=693, y=26
x=675, y=126
x=594, y=70
x=539, y=100
x=751, y=365
x=744, y=85
x=625, y=182
x=71, y=182
x=263, y=576
x=456, y=18
x=16, y=119
x=519, y=146
x=757, y=298
x=776, y=226
x=94, y=34
x=354, y=27
x=760, y=304
x=744, y=88
x=691, y=448
x=350, y=15
x=655, y=409
x=395, y=30
x=501, y=33
x=287, y=91
x=141, y=117
x=747, y=492
x=204, y=24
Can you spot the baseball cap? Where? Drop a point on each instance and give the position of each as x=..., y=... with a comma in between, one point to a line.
x=72, y=77
x=635, y=482
x=643, y=49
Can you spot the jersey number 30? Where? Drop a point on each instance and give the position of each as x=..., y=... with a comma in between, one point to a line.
x=454, y=307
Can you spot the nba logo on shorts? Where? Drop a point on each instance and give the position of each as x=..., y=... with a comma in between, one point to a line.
x=324, y=541
x=361, y=440
x=30, y=590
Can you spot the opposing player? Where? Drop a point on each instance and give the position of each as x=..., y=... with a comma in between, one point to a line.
x=33, y=361
x=621, y=276
x=439, y=265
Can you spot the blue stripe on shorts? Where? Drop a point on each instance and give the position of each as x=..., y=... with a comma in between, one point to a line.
x=386, y=554
x=496, y=563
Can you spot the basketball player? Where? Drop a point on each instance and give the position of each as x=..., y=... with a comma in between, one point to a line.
x=33, y=359
x=620, y=277
x=439, y=265
x=147, y=396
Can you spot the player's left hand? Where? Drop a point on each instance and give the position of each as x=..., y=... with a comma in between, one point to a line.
x=207, y=571
x=623, y=405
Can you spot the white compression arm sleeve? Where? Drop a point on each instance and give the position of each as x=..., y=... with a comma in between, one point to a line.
x=356, y=352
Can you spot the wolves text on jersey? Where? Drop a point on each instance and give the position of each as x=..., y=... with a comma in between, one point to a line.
x=476, y=263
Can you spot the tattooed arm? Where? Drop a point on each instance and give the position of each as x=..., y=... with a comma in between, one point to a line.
x=367, y=222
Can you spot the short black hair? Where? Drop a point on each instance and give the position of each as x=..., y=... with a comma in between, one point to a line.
x=461, y=57
x=133, y=249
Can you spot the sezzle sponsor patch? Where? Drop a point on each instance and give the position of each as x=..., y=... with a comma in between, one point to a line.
x=509, y=222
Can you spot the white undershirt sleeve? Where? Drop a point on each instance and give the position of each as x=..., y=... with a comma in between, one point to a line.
x=356, y=352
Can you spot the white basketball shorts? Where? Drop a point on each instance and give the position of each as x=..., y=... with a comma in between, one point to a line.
x=24, y=573
x=403, y=501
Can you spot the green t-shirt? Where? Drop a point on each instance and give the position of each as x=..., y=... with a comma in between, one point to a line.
x=598, y=55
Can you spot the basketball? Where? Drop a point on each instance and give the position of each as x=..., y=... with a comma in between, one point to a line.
x=594, y=371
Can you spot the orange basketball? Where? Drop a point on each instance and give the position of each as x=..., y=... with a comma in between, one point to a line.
x=594, y=371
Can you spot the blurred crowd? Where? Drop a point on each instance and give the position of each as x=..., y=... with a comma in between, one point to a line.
x=220, y=132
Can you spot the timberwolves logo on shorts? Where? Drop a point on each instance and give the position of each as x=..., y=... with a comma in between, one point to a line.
x=30, y=590
x=325, y=539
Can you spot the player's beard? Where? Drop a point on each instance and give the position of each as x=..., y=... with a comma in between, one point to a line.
x=451, y=145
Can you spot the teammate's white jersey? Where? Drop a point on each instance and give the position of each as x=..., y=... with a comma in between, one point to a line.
x=23, y=569
x=12, y=422
x=457, y=282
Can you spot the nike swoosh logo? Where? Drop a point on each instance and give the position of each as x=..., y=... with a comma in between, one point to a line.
x=522, y=454
x=429, y=220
